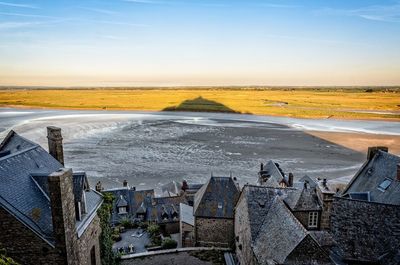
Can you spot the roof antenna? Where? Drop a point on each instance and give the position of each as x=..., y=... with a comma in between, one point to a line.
x=211, y=174
x=230, y=173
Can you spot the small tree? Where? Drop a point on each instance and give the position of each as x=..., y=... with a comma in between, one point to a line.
x=153, y=230
x=169, y=243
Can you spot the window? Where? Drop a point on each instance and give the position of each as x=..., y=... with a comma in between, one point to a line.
x=313, y=220
x=384, y=185
x=220, y=205
x=121, y=210
x=93, y=256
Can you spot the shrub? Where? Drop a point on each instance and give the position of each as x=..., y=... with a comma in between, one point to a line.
x=169, y=243
x=153, y=230
x=4, y=260
x=143, y=225
x=126, y=223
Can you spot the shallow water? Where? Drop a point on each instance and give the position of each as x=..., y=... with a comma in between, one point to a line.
x=151, y=149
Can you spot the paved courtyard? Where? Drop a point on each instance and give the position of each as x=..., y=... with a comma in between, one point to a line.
x=182, y=258
x=137, y=237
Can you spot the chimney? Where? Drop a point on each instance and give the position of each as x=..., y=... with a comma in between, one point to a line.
x=261, y=167
x=324, y=181
x=125, y=183
x=99, y=187
x=398, y=172
x=291, y=177
x=374, y=149
x=63, y=213
x=185, y=186
x=55, y=143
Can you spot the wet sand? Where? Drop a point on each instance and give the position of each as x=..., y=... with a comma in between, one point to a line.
x=152, y=149
x=360, y=141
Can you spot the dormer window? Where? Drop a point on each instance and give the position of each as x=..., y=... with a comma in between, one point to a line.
x=164, y=216
x=384, y=185
x=220, y=205
x=313, y=220
x=121, y=210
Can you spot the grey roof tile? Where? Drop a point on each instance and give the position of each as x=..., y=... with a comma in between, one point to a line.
x=383, y=166
x=217, y=198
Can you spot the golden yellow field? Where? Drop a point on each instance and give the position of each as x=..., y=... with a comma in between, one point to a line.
x=306, y=103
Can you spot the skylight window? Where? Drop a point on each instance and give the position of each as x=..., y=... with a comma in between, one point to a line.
x=385, y=184
x=220, y=205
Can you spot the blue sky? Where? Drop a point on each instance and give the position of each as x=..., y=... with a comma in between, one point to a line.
x=199, y=42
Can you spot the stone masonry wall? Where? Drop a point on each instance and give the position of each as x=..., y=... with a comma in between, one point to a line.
x=326, y=199
x=88, y=240
x=244, y=251
x=63, y=213
x=214, y=232
x=365, y=230
x=23, y=245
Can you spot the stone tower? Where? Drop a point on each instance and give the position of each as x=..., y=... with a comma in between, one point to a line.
x=55, y=143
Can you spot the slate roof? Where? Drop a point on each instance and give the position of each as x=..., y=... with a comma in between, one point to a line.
x=383, y=166
x=281, y=233
x=217, y=198
x=258, y=201
x=24, y=189
x=275, y=175
x=168, y=205
x=303, y=199
x=186, y=214
x=136, y=200
x=310, y=181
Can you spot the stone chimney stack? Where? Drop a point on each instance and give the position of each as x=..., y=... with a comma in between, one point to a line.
x=398, y=172
x=291, y=177
x=55, y=143
x=63, y=213
x=374, y=149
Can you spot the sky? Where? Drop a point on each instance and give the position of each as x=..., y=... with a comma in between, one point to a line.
x=199, y=42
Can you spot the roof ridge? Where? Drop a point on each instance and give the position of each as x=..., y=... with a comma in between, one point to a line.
x=19, y=152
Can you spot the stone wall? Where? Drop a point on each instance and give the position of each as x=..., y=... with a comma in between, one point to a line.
x=308, y=252
x=187, y=235
x=88, y=240
x=365, y=230
x=244, y=252
x=63, y=213
x=326, y=200
x=23, y=245
x=216, y=232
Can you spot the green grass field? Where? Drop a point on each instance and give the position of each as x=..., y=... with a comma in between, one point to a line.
x=304, y=102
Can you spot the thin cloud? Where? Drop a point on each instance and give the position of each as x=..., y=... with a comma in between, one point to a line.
x=17, y=5
x=109, y=22
x=386, y=13
x=144, y=1
x=279, y=5
x=24, y=15
x=15, y=25
x=102, y=11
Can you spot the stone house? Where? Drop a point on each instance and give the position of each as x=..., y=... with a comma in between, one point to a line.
x=130, y=204
x=47, y=212
x=143, y=206
x=365, y=219
x=305, y=206
x=267, y=232
x=272, y=175
x=186, y=225
x=214, y=212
